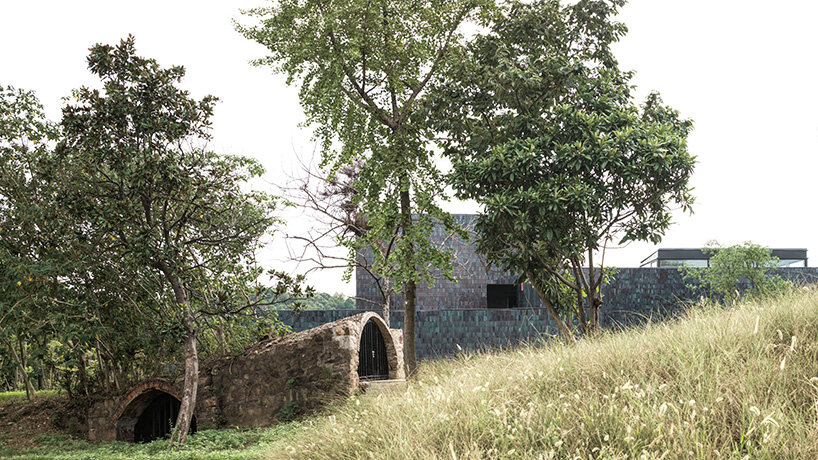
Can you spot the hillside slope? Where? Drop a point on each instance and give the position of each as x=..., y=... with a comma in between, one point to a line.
x=715, y=384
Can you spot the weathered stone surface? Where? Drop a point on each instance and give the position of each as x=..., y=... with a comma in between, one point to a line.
x=271, y=380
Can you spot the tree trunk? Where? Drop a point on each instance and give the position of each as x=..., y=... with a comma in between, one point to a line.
x=221, y=337
x=103, y=368
x=409, y=293
x=67, y=383
x=566, y=333
x=593, y=301
x=409, y=354
x=578, y=281
x=191, y=385
x=386, y=310
x=83, y=373
x=31, y=394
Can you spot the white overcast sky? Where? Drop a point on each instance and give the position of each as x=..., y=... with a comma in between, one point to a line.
x=743, y=70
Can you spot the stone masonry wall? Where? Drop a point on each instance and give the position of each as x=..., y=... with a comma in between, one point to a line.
x=297, y=373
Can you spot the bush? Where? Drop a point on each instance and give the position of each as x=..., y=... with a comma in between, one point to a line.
x=736, y=271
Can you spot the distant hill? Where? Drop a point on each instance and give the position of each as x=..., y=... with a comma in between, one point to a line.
x=322, y=301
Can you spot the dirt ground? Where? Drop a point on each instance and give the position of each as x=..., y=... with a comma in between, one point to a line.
x=22, y=422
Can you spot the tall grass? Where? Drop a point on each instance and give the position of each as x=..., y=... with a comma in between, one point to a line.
x=736, y=383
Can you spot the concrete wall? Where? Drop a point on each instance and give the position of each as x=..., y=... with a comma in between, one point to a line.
x=295, y=373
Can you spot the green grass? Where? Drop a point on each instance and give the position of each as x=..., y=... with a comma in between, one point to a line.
x=736, y=383
x=210, y=444
x=18, y=397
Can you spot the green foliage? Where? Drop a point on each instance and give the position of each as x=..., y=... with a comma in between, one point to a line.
x=290, y=411
x=153, y=200
x=204, y=445
x=364, y=69
x=122, y=235
x=731, y=268
x=13, y=398
x=320, y=301
x=31, y=235
x=542, y=131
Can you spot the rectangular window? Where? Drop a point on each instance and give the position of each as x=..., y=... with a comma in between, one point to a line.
x=683, y=263
x=501, y=296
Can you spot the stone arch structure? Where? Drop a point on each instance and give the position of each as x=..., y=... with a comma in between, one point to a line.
x=394, y=351
x=129, y=416
x=269, y=382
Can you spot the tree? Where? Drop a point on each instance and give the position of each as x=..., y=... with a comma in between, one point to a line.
x=331, y=202
x=543, y=133
x=26, y=224
x=152, y=202
x=364, y=68
x=731, y=267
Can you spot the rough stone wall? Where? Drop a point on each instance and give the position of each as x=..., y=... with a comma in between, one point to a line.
x=297, y=373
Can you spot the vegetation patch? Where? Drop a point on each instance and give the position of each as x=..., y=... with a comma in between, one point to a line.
x=715, y=384
x=210, y=444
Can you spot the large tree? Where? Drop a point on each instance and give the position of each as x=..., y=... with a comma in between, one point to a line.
x=27, y=225
x=543, y=132
x=364, y=67
x=136, y=175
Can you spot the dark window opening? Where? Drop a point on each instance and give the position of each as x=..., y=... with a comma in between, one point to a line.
x=372, y=361
x=501, y=296
x=157, y=420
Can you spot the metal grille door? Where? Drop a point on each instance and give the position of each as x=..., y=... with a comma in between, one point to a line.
x=372, y=361
x=157, y=419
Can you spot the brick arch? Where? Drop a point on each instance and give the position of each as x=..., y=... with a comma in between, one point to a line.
x=126, y=404
x=134, y=402
x=396, y=370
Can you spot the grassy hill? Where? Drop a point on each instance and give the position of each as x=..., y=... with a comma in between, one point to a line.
x=735, y=383
x=715, y=384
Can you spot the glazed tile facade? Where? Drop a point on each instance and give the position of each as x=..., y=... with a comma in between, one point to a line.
x=455, y=314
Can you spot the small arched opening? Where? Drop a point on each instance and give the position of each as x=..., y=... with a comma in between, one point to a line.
x=373, y=363
x=149, y=416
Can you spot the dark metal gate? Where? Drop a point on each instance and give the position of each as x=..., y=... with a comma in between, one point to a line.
x=372, y=361
x=156, y=421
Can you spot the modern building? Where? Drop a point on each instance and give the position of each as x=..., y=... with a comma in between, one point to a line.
x=488, y=307
x=697, y=257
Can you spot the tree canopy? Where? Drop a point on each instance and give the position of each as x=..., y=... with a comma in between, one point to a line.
x=154, y=204
x=543, y=132
x=739, y=270
x=364, y=68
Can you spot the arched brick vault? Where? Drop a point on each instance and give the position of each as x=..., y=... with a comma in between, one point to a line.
x=129, y=404
x=393, y=352
x=134, y=402
x=304, y=370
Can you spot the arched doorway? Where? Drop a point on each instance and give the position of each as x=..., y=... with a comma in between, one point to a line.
x=148, y=415
x=157, y=420
x=373, y=363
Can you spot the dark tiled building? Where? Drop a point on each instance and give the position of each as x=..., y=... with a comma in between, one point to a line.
x=489, y=308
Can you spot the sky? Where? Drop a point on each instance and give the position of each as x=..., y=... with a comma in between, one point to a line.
x=743, y=70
